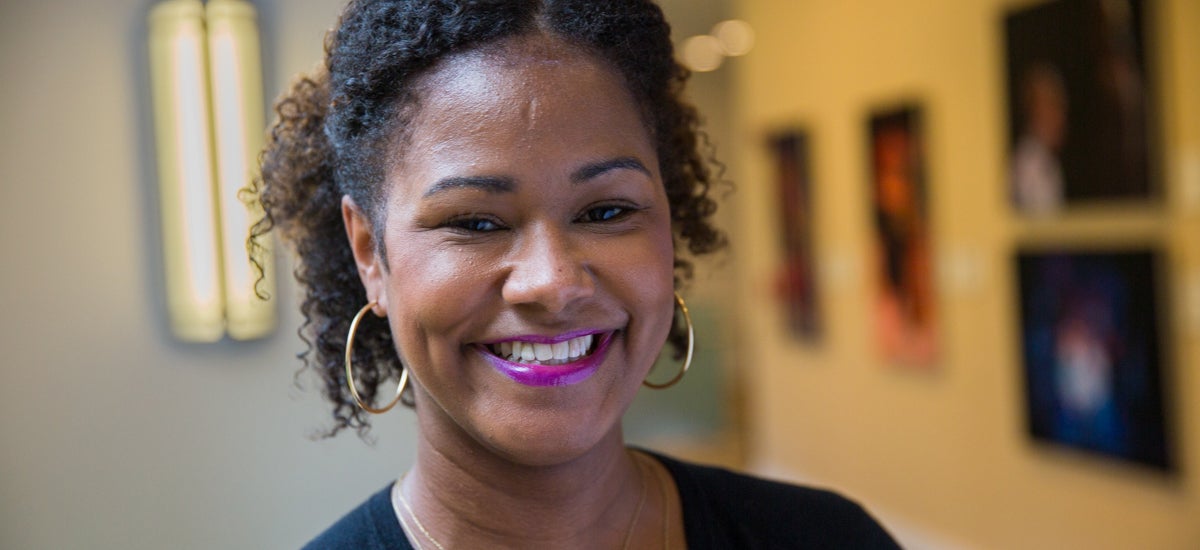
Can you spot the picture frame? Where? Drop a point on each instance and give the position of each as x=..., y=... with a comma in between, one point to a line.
x=1079, y=105
x=1093, y=351
x=905, y=309
x=796, y=283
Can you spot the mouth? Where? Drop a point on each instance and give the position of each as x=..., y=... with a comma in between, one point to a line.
x=540, y=353
x=540, y=362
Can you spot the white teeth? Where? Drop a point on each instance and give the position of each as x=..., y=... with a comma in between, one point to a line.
x=558, y=353
x=561, y=350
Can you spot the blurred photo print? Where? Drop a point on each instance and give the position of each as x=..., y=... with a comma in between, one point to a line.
x=1091, y=349
x=1078, y=105
x=796, y=284
x=905, y=313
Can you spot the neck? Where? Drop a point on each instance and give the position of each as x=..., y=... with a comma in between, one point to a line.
x=471, y=496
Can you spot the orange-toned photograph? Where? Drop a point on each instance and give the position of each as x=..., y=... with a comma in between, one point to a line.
x=905, y=313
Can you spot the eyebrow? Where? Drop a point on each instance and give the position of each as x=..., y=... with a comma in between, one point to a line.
x=491, y=184
x=502, y=184
x=595, y=169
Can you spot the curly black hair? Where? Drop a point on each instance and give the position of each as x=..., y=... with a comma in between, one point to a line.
x=335, y=126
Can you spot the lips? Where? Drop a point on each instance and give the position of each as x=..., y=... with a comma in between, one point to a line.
x=543, y=362
x=538, y=353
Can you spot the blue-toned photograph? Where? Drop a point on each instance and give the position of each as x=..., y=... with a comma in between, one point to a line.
x=1092, y=351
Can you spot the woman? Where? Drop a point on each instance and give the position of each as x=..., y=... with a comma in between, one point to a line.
x=495, y=190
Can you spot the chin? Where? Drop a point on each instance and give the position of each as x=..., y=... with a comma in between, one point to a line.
x=546, y=450
x=551, y=436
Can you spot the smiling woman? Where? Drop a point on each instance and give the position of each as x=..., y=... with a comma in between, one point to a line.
x=511, y=187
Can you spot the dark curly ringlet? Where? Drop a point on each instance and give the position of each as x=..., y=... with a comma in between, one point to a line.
x=337, y=127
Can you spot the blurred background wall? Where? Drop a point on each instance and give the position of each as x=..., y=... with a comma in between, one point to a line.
x=945, y=450
x=113, y=435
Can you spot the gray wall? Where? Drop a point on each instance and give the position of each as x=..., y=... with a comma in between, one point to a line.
x=112, y=435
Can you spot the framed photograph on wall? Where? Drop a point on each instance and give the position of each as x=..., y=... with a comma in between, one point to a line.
x=1078, y=105
x=796, y=284
x=905, y=311
x=1093, y=353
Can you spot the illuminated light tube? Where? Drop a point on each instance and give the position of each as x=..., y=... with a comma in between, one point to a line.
x=178, y=69
x=235, y=83
x=209, y=124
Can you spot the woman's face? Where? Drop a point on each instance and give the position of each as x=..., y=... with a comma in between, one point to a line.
x=529, y=258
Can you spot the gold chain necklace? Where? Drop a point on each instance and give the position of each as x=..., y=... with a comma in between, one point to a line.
x=398, y=494
x=666, y=509
x=637, y=512
x=404, y=524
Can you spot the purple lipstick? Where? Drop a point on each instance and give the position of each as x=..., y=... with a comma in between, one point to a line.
x=541, y=361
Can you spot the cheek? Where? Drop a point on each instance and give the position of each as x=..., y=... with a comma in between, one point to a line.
x=645, y=270
x=431, y=291
x=662, y=249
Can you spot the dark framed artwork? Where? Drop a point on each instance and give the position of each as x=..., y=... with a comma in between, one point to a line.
x=1078, y=105
x=905, y=311
x=1093, y=354
x=796, y=284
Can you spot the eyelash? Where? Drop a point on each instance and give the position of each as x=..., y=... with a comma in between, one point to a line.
x=471, y=223
x=622, y=211
x=601, y=214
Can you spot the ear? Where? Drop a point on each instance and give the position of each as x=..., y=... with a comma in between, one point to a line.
x=371, y=268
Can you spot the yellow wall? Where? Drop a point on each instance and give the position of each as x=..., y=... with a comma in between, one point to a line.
x=946, y=452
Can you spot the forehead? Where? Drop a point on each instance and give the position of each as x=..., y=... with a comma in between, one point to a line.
x=517, y=74
x=531, y=54
x=526, y=99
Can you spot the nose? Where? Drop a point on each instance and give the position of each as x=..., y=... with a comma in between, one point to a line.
x=548, y=270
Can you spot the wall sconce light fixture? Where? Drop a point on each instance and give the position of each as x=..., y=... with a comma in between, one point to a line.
x=209, y=125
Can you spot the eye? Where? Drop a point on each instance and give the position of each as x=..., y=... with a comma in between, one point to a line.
x=604, y=213
x=473, y=225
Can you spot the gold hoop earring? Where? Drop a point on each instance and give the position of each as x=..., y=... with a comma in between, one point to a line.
x=350, y=372
x=687, y=361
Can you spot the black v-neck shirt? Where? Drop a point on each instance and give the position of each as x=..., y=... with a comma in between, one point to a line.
x=721, y=510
